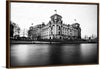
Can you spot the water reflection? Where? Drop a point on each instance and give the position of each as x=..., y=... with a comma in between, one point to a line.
x=71, y=54
x=52, y=54
x=89, y=53
x=55, y=53
x=27, y=55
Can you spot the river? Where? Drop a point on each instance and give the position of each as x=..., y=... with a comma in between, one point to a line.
x=53, y=54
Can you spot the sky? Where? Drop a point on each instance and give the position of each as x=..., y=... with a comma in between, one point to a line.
x=24, y=14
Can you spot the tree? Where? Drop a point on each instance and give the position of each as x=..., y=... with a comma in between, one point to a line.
x=11, y=29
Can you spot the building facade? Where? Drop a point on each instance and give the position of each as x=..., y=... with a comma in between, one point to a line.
x=34, y=32
x=56, y=29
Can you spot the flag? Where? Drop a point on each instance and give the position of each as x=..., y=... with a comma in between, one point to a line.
x=32, y=23
x=55, y=11
x=74, y=19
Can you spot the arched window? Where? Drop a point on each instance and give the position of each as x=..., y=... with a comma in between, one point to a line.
x=50, y=37
x=59, y=27
x=70, y=30
x=59, y=33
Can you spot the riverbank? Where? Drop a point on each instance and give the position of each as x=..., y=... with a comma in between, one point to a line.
x=48, y=42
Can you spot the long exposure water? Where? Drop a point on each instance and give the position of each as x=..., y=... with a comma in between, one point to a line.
x=52, y=54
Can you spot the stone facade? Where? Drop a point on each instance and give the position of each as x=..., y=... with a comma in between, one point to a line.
x=56, y=29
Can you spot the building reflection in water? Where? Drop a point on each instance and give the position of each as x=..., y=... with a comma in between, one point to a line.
x=89, y=53
x=28, y=55
x=71, y=54
x=53, y=54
